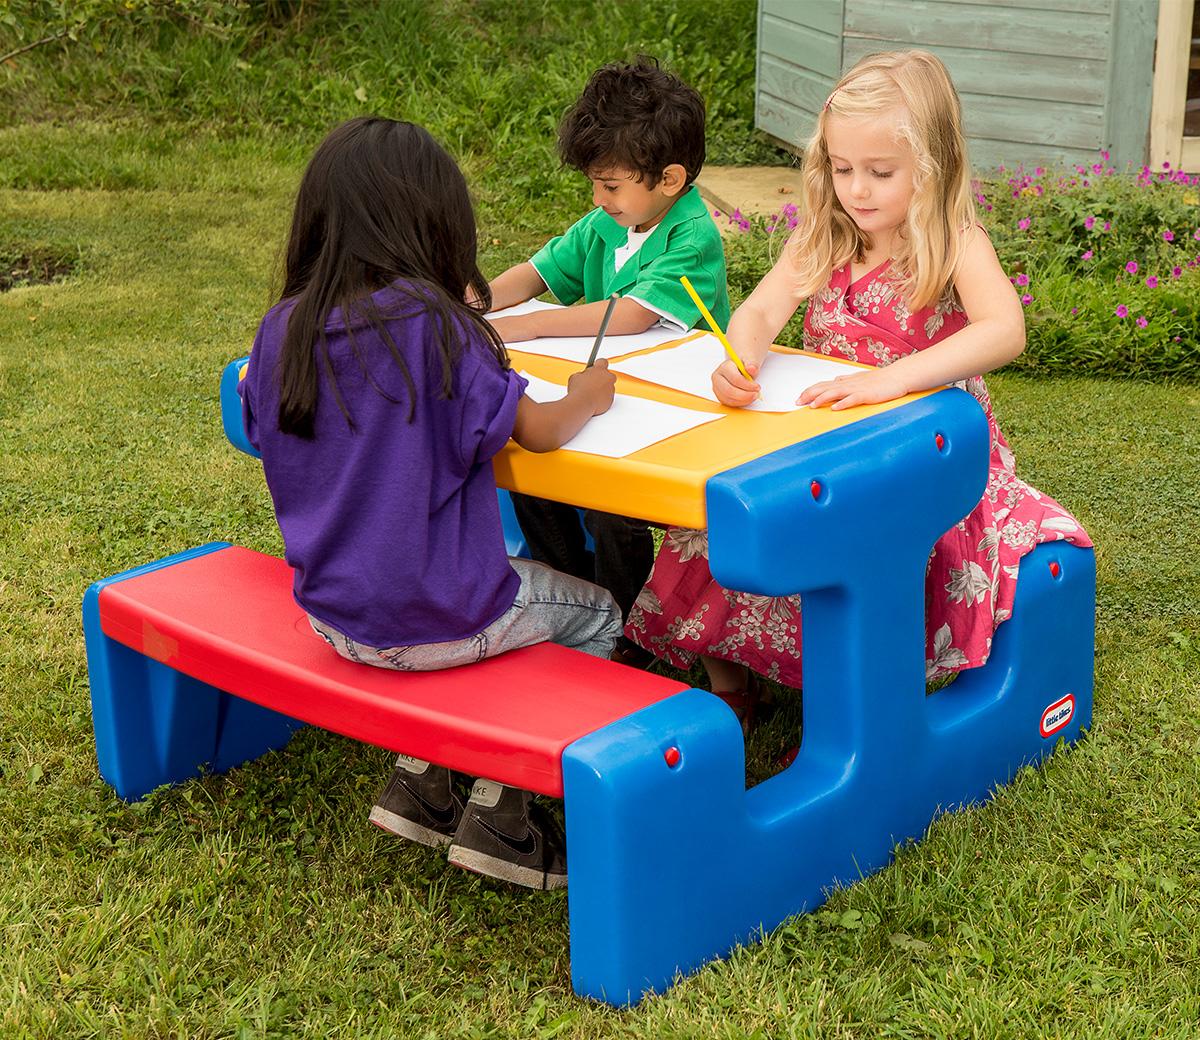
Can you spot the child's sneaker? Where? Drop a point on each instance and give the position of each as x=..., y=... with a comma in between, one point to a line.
x=418, y=803
x=499, y=838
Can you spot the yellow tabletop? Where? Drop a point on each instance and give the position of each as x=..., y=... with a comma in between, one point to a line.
x=665, y=482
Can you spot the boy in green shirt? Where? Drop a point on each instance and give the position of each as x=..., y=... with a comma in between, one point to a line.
x=637, y=133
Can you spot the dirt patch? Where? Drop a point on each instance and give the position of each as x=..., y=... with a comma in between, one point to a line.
x=32, y=268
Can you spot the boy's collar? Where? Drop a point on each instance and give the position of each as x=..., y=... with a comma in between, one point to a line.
x=687, y=206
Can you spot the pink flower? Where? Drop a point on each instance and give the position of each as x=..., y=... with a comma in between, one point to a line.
x=1168, y=236
x=1026, y=300
x=1097, y=168
x=1088, y=255
x=1023, y=224
x=1074, y=310
x=1152, y=282
x=1108, y=225
x=1122, y=311
x=1038, y=172
x=1142, y=322
x=1022, y=280
x=1089, y=223
x=716, y=212
x=1104, y=155
x=1176, y=272
x=1131, y=267
x=1196, y=234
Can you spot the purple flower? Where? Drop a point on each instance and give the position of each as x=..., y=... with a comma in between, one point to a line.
x=1142, y=322
x=1022, y=280
x=1168, y=236
x=1108, y=225
x=1122, y=311
x=716, y=212
x=1131, y=267
x=1088, y=255
x=1176, y=272
x=1152, y=282
x=1089, y=223
x=1026, y=300
x=1023, y=224
x=1074, y=310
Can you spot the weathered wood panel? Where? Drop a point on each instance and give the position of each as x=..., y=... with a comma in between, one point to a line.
x=1036, y=76
x=801, y=46
x=823, y=15
x=1009, y=119
x=799, y=59
x=1079, y=6
x=1131, y=79
x=927, y=23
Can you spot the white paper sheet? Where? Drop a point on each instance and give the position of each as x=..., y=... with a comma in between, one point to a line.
x=579, y=348
x=528, y=307
x=632, y=423
x=689, y=367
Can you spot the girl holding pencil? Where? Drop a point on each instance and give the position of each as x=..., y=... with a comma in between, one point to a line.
x=896, y=274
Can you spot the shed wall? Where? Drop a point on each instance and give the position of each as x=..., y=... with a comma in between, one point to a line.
x=1041, y=81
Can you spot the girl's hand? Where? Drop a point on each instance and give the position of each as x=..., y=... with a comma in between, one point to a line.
x=595, y=385
x=732, y=388
x=515, y=329
x=873, y=387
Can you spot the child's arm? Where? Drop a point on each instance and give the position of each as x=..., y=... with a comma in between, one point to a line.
x=995, y=336
x=545, y=427
x=628, y=317
x=753, y=329
x=516, y=285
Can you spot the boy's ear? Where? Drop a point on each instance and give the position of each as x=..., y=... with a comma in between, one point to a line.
x=674, y=178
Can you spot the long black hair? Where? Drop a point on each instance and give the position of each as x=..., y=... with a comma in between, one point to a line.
x=380, y=202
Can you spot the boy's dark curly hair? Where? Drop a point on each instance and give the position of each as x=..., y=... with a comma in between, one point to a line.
x=637, y=116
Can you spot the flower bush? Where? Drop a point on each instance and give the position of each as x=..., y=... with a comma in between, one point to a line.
x=1106, y=264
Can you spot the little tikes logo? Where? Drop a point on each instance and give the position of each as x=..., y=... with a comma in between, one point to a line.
x=1057, y=715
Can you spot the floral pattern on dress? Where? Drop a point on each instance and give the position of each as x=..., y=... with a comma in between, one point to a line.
x=971, y=577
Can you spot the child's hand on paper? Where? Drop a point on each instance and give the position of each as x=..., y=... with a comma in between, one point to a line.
x=514, y=329
x=595, y=385
x=871, y=387
x=732, y=388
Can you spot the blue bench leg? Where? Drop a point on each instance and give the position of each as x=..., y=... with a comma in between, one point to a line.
x=155, y=725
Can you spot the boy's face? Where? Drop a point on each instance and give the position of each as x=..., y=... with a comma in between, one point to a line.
x=629, y=201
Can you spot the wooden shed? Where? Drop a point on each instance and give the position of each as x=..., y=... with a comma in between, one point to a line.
x=1042, y=81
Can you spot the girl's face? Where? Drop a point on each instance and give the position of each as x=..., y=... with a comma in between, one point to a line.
x=872, y=170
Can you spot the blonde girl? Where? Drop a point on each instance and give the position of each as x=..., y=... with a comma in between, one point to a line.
x=897, y=274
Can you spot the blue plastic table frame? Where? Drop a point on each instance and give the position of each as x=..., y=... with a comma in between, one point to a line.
x=672, y=866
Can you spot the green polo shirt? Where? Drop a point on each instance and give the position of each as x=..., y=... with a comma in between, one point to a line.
x=580, y=264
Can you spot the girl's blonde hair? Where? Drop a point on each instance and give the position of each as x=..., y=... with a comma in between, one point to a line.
x=931, y=239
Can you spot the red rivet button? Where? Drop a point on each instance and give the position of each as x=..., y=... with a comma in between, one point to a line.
x=815, y=488
x=671, y=756
x=940, y=441
x=1054, y=568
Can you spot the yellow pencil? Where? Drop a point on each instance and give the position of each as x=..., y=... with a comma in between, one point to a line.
x=714, y=326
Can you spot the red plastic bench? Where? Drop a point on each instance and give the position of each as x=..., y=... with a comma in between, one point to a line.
x=225, y=616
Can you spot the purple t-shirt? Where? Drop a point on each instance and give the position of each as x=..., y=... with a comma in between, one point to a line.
x=392, y=527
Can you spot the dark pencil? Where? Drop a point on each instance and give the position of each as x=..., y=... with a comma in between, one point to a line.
x=612, y=302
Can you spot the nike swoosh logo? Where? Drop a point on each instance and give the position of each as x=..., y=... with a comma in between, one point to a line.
x=443, y=817
x=526, y=846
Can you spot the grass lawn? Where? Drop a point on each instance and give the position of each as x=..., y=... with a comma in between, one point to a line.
x=261, y=903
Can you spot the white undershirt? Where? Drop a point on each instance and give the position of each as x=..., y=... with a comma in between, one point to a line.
x=633, y=243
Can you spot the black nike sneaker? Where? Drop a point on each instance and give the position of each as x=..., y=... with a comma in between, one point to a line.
x=499, y=836
x=418, y=803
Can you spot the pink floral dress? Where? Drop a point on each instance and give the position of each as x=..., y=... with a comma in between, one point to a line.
x=972, y=573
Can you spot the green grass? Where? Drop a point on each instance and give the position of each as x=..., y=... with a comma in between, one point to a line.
x=261, y=903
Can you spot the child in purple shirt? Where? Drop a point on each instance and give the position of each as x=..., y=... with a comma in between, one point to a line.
x=378, y=398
